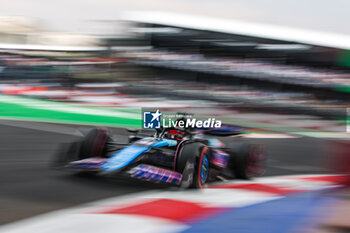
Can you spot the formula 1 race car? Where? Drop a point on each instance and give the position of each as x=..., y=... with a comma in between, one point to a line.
x=189, y=158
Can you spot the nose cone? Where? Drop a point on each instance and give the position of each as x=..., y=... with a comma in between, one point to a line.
x=123, y=158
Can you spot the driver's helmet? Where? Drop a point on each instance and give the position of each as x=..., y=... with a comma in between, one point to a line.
x=175, y=134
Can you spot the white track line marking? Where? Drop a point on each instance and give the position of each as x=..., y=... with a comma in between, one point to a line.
x=104, y=216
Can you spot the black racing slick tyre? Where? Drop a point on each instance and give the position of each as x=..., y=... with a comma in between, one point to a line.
x=93, y=143
x=196, y=155
x=247, y=160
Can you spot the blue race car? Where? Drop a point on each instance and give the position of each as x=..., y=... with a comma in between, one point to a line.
x=189, y=158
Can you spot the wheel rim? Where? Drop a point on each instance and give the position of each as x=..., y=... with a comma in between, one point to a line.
x=204, y=169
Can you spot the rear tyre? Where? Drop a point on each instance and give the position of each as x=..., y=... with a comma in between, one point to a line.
x=196, y=154
x=247, y=160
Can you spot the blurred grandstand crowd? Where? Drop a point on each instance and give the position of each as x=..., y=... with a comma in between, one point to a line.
x=185, y=68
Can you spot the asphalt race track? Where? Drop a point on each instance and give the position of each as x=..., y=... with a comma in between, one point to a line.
x=29, y=187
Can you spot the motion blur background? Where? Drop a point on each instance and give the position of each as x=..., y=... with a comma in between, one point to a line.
x=275, y=67
x=76, y=15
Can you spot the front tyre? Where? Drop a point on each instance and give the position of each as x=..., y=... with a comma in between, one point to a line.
x=202, y=169
x=194, y=159
x=93, y=143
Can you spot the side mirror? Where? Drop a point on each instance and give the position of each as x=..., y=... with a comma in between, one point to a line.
x=132, y=130
x=159, y=131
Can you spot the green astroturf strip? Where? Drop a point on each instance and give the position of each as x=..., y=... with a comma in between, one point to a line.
x=21, y=108
x=18, y=111
x=342, y=88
